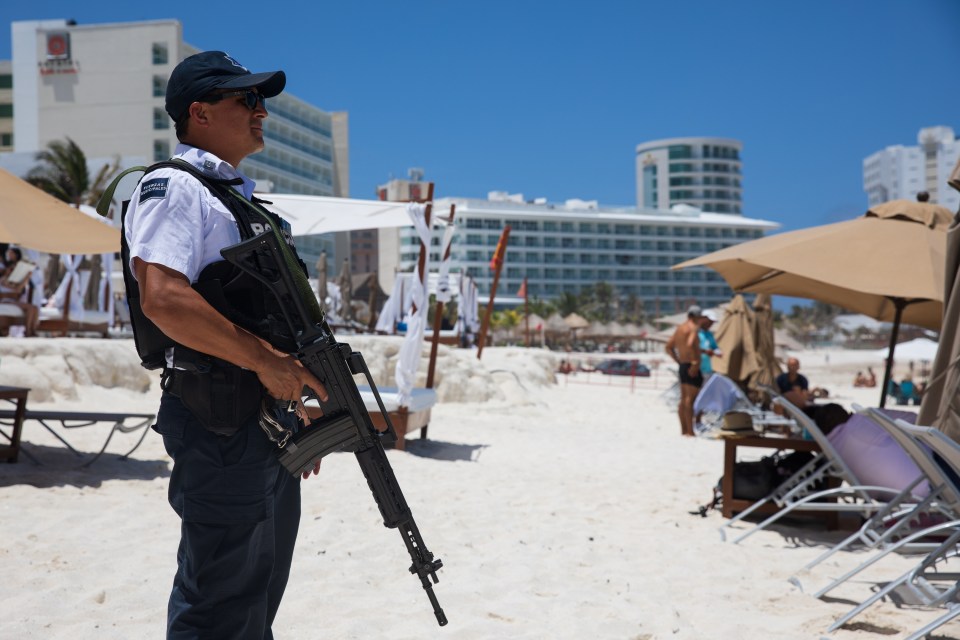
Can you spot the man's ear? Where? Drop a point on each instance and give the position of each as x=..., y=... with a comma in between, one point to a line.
x=198, y=113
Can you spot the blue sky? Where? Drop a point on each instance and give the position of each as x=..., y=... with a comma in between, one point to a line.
x=551, y=98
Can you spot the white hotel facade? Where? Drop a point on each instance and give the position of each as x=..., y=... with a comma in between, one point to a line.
x=900, y=171
x=564, y=248
x=103, y=85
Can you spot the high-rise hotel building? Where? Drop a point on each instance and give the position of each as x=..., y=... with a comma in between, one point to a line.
x=901, y=172
x=701, y=172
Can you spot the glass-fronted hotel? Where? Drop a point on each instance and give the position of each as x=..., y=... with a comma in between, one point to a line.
x=564, y=248
x=701, y=172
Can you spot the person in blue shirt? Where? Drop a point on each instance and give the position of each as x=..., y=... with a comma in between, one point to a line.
x=708, y=343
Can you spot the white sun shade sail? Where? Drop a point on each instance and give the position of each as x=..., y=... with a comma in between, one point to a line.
x=310, y=215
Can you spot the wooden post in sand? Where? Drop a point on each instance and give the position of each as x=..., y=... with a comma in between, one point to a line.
x=497, y=264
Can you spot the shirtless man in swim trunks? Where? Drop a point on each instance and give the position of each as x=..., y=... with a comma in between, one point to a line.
x=684, y=348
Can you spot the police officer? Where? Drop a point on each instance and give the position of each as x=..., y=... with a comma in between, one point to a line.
x=239, y=508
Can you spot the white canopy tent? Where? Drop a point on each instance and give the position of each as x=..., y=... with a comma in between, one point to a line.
x=923, y=349
x=311, y=215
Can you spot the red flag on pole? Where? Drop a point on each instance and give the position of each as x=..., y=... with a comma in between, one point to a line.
x=501, y=249
x=522, y=291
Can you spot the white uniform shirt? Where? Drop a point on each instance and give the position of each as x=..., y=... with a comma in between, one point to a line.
x=175, y=221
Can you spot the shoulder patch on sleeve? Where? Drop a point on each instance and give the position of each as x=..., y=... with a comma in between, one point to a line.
x=154, y=188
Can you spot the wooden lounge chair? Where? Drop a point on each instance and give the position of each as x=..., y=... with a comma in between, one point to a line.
x=61, y=319
x=11, y=310
x=405, y=419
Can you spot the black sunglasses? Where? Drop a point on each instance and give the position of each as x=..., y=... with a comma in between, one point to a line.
x=250, y=98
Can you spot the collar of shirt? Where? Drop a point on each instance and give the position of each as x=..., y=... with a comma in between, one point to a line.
x=213, y=166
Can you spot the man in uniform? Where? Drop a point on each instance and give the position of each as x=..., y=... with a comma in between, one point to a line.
x=239, y=508
x=684, y=347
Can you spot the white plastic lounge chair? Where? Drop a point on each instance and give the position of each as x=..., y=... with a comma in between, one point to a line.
x=929, y=581
x=898, y=532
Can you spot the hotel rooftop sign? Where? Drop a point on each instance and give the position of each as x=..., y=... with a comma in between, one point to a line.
x=58, y=59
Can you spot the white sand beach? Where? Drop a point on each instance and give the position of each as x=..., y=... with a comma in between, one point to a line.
x=560, y=508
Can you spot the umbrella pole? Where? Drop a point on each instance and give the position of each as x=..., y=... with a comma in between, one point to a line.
x=899, y=304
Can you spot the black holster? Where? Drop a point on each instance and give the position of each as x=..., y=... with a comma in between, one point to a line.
x=223, y=398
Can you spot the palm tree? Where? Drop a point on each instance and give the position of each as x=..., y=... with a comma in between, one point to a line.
x=606, y=298
x=63, y=173
x=567, y=303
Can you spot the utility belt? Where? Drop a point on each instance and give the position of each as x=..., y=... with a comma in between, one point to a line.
x=221, y=395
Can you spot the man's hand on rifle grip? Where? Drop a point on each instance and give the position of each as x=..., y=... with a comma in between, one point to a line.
x=284, y=377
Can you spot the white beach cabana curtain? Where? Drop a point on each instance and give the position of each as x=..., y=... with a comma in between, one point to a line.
x=36, y=277
x=444, y=290
x=392, y=312
x=334, y=300
x=72, y=278
x=468, y=317
x=105, y=301
x=409, y=358
x=79, y=279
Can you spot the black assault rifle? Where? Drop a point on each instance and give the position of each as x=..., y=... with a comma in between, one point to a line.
x=345, y=424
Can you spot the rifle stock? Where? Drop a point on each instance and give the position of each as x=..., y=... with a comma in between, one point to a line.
x=345, y=424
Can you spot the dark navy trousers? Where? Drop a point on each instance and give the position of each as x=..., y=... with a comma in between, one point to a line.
x=239, y=512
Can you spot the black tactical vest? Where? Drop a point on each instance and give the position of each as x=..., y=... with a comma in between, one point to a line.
x=239, y=297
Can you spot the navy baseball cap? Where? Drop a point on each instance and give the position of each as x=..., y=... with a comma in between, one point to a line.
x=203, y=73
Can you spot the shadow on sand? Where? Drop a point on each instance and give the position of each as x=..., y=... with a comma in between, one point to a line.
x=50, y=466
x=439, y=450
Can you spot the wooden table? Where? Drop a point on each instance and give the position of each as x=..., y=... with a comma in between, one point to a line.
x=732, y=506
x=18, y=396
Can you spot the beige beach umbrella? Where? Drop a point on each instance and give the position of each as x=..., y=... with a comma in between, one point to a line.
x=767, y=366
x=34, y=219
x=735, y=338
x=941, y=399
x=887, y=264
